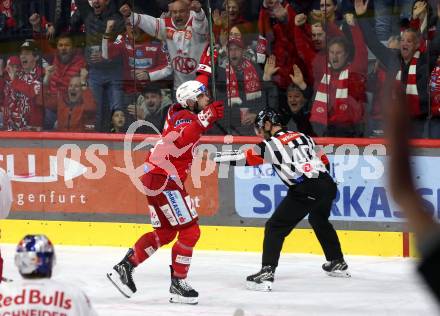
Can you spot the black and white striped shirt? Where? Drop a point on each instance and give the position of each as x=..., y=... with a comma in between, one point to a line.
x=292, y=155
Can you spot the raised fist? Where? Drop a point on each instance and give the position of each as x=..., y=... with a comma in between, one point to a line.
x=261, y=49
x=110, y=26
x=300, y=19
x=211, y=113
x=34, y=19
x=195, y=6
x=205, y=66
x=125, y=10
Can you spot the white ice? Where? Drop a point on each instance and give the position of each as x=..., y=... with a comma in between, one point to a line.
x=378, y=286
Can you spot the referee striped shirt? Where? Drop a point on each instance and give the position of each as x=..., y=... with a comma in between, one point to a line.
x=292, y=155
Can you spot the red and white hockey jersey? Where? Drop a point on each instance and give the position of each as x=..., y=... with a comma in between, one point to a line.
x=43, y=297
x=151, y=56
x=174, y=152
x=185, y=46
x=21, y=111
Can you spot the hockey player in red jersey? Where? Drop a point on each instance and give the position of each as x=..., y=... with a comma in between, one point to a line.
x=172, y=213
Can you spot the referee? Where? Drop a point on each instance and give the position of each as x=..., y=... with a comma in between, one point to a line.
x=311, y=191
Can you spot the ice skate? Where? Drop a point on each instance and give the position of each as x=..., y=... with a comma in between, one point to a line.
x=261, y=281
x=121, y=276
x=181, y=292
x=336, y=268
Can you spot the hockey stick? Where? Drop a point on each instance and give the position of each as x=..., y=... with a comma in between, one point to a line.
x=211, y=50
x=211, y=54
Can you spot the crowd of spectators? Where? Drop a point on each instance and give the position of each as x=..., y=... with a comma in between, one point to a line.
x=99, y=65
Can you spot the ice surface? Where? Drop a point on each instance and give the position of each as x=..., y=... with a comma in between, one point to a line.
x=379, y=286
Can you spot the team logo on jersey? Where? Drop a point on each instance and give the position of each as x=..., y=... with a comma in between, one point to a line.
x=150, y=49
x=288, y=137
x=307, y=167
x=184, y=65
x=182, y=121
x=139, y=53
x=170, y=33
x=343, y=107
x=320, y=109
x=188, y=35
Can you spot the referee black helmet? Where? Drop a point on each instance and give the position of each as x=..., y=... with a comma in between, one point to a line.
x=265, y=115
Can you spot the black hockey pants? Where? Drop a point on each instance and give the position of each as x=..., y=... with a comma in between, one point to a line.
x=313, y=197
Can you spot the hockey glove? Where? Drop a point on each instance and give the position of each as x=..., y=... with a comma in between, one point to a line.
x=261, y=49
x=229, y=155
x=204, y=66
x=211, y=113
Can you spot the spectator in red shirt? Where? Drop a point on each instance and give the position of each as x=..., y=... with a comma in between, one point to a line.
x=22, y=87
x=7, y=21
x=230, y=17
x=338, y=105
x=68, y=62
x=311, y=44
x=276, y=23
x=75, y=107
x=244, y=88
x=145, y=61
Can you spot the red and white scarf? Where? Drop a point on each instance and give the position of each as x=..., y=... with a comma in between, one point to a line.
x=412, y=94
x=19, y=105
x=320, y=111
x=252, y=85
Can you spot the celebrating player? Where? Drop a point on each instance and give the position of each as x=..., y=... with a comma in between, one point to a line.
x=172, y=213
x=311, y=191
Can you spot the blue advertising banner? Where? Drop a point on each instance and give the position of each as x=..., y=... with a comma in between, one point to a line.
x=362, y=193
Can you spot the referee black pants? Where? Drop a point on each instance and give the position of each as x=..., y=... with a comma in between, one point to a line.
x=313, y=197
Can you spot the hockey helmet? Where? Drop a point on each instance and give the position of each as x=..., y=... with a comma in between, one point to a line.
x=189, y=90
x=265, y=115
x=35, y=256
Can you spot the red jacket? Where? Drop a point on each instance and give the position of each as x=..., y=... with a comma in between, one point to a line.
x=315, y=61
x=77, y=118
x=357, y=78
x=64, y=72
x=282, y=43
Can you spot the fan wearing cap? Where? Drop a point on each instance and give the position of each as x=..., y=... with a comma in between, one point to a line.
x=38, y=294
x=22, y=86
x=311, y=191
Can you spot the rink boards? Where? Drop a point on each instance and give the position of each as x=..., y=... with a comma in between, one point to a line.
x=243, y=239
x=79, y=190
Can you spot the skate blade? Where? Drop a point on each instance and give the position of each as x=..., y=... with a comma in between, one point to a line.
x=177, y=299
x=113, y=276
x=339, y=274
x=265, y=286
